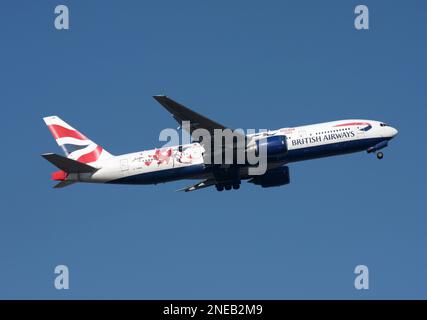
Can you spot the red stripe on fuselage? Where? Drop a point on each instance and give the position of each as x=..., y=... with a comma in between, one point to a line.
x=353, y=124
x=91, y=156
x=61, y=132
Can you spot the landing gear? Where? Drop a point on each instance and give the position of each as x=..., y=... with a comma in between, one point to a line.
x=380, y=155
x=219, y=188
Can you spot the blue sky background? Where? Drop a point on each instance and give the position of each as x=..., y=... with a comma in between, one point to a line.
x=250, y=64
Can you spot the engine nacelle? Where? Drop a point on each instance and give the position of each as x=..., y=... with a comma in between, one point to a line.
x=275, y=146
x=273, y=178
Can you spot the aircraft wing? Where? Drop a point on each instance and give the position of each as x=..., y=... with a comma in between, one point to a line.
x=199, y=185
x=197, y=121
x=182, y=113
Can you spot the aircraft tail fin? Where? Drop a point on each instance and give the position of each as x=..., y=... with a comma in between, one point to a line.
x=75, y=145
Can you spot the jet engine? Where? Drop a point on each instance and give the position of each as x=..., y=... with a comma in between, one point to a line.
x=275, y=146
x=272, y=178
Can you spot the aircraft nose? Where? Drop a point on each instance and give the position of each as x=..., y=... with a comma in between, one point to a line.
x=394, y=132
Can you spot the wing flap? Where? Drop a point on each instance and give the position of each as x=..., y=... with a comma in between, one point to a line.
x=199, y=185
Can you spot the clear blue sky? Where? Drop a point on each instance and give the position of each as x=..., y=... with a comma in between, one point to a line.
x=250, y=64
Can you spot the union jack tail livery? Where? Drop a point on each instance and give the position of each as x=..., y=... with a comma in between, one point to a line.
x=75, y=145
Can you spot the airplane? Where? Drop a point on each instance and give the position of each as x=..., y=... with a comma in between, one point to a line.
x=86, y=161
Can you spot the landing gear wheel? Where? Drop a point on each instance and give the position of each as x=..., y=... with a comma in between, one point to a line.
x=236, y=186
x=380, y=155
x=227, y=187
x=219, y=188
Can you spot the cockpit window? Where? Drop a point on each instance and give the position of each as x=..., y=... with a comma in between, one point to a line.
x=368, y=127
x=383, y=124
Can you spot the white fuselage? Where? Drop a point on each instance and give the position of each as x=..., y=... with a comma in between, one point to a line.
x=186, y=161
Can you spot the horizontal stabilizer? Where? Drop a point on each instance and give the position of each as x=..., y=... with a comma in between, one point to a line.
x=68, y=165
x=63, y=184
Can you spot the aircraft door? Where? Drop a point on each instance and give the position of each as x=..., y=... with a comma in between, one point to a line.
x=176, y=155
x=360, y=133
x=302, y=134
x=124, y=166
